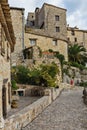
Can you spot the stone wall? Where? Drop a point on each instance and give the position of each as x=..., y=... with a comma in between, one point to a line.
x=17, y=15
x=5, y=81
x=81, y=36
x=76, y=74
x=51, y=23
x=46, y=43
x=47, y=22
x=44, y=36
x=25, y=116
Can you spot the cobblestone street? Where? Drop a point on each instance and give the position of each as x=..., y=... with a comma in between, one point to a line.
x=66, y=113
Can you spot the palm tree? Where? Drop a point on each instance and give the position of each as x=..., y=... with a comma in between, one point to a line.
x=76, y=53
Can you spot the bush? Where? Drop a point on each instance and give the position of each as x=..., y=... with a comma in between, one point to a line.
x=22, y=74
x=45, y=75
x=48, y=74
x=14, y=86
x=80, y=66
x=83, y=84
x=50, y=50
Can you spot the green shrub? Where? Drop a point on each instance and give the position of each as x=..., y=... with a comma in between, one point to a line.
x=65, y=70
x=80, y=66
x=14, y=86
x=50, y=50
x=44, y=75
x=48, y=74
x=83, y=84
x=22, y=74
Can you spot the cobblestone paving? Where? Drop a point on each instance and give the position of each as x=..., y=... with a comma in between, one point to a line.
x=66, y=113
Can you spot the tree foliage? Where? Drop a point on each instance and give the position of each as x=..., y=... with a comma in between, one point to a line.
x=44, y=75
x=76, y=54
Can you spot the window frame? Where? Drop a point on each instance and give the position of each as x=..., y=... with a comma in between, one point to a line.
x=32, y=42
x=75, y=39
x=54, y=42
x=57, y=18
x=73, y=32
x=57, y=29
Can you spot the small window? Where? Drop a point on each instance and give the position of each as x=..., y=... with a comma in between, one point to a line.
x=56, y=17
x=57, y=29
x=75, y=39
x=68, y=39
x=73, y=32
x=32, y=23
x=32, y=42
x=55, y=42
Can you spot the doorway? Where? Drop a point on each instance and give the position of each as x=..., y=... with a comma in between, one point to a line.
x=4, y=106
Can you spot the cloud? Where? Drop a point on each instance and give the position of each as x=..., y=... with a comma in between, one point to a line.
x=58, y=3
x=78, y=16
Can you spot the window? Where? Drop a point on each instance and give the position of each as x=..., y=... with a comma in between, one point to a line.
x=55, y=42
x=75, y=39
x=32, y=23
x=68, y=39
x=57, y=29
x=72, y=32
x=56, y=17
x=32, y=42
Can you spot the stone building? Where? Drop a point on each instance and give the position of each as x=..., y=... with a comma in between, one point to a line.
x=47, y=36
x=77, y=36
x=17, y=15
x=45, y=42
x=46, y=28
x=49, y=18
x=7, y=41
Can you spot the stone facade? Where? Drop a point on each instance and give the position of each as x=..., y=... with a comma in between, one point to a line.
x=48, y=34
x=46, y=43
x=7, y=41
x=50, y=18
x=77, y=36
x=45, y=25
x=18, y=26
x=40, y=31
x=46, y=28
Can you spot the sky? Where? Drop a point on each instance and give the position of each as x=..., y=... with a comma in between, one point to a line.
x=76, y=9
